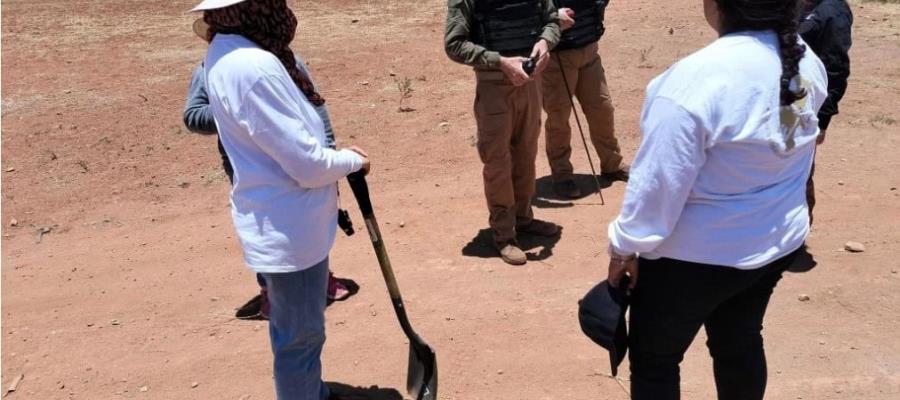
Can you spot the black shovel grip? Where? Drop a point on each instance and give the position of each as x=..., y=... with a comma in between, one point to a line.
x=360, y=190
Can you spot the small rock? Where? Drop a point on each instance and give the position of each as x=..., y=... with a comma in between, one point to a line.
x=822, y=342
x=10, y=169
x=443, y=124
x=114, y=322
x=803, y=297
x=854, y=247
x=671, y=31
x=402, y=224
x=840, y=183
x=499, y=372
x=144, y=389
x=13, y=222
x=354, y=20
x=893, y=189
x=195, y=384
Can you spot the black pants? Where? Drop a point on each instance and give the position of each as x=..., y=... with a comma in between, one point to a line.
x=670, y=303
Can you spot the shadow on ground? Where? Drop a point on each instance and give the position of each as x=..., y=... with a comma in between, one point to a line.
x=804, y=262
x=340, y=391
x=482, y=246
x=546, y=197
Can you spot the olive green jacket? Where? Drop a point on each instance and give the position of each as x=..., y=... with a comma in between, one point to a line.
x=458, y=40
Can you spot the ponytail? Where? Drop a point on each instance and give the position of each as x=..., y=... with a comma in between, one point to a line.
x=791, y=52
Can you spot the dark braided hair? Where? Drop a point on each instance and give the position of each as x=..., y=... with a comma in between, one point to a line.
x=271, y=25
x=781, y=16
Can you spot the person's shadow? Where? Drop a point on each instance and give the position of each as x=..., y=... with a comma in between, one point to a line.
x=482, y=245
x=804, y=262
x=546, y=197
x=346, y=392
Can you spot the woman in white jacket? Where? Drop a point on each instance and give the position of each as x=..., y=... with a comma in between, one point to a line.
x=284, y=195
x=715, y=209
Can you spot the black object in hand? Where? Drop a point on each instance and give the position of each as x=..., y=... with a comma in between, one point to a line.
x=528, y=65
x=345, y=223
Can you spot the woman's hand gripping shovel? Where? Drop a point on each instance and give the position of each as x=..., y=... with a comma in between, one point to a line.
x=421, y=379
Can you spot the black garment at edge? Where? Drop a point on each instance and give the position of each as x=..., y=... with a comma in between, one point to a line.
x=510, y=28
x=826, y=29
x=669, y=304
x=588, y=26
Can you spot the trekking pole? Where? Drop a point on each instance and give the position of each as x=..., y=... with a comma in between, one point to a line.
x=581, y=131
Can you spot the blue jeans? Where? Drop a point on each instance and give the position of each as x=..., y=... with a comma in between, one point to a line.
x=297, y=331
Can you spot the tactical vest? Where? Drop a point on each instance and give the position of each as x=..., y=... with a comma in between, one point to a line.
x=509, y=27
x=588, y=26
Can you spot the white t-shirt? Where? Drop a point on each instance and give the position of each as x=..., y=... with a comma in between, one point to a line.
x=720, y=176
x=284, y=197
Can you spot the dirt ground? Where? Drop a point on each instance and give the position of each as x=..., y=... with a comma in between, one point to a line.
x=130, y=291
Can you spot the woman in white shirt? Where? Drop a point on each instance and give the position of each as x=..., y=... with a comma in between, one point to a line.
x=715, y=209
x=284, y=195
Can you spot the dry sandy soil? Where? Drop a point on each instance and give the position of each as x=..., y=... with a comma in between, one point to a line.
x=131, y=292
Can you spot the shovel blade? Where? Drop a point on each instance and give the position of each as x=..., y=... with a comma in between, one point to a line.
x=421, y=379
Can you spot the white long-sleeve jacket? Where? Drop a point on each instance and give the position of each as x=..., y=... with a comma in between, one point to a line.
x=720, y=176
x=284, y=197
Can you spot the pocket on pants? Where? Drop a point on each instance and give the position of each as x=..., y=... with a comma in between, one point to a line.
x=494, y=134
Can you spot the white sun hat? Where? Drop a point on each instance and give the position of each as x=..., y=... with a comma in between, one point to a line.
x=214, y=4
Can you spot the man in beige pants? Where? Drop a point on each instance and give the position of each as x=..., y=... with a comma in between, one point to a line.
x=576, y=56
x=494, y=38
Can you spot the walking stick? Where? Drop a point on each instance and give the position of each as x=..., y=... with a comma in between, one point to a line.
x=421, y=378
x=581, y=131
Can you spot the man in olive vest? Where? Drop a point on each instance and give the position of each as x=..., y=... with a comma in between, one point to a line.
x=495, y=37
x=576, y=56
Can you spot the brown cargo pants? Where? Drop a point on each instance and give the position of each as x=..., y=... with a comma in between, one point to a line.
x=509, y=125
x=587, y=81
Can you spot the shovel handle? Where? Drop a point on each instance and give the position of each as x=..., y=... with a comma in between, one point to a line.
x=360, y=190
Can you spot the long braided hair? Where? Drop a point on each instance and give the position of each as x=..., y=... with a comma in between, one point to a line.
x=271, y=25
x=782, y=16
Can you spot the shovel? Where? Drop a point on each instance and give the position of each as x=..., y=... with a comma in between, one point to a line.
x=421, y=378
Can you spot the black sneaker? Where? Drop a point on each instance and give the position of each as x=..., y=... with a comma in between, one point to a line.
x=254, y=309
x=567, y=189
x=621, y=175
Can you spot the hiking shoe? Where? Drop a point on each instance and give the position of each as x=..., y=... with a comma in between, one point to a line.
x=567, y=189
x=539, y=228
x=337, y=291
x=512, y=255
x=621, y=175
x=253, y=308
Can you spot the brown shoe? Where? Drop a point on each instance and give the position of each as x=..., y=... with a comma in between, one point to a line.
x=512, y=254
x=621, y=175
x=567, y=189
x=539, y=228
